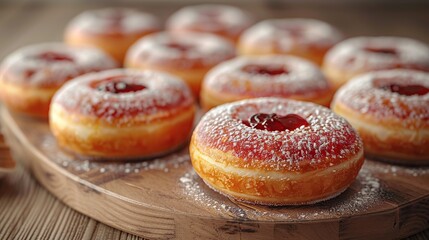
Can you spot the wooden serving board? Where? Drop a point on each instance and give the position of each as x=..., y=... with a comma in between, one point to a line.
x=164, y=198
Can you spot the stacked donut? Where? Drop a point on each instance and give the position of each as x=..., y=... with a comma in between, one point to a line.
x=268, y=137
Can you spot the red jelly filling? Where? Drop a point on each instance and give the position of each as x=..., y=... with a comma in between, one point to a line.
x=179, y=46
x=118, y=86
x=272, y=70
x=407, y=90
x=54, y=57
x=387, y=51
x=273, y=122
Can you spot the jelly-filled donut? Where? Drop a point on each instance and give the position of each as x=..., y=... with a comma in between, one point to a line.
x=223, y=20
x=122, y=114
x=274, y=151
x=390, y=110
x=30, y=76
x=306, y=38
x=112, y=29
x=265, y=76
x=189, y=56
x=359, y=55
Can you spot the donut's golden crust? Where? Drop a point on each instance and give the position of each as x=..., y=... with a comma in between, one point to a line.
x=193, y=77
x=287, y=188
x=302, y=166
x=305, y=38
x=315, y=55
x=26, y=99
x=109, y=125
x=387, y=139
x=29, y=78
x=116, y=46
x=210, y=99
x=162, y=52
x=229, y=82
x=393, y=127
x=351, y=58
x=90, y=137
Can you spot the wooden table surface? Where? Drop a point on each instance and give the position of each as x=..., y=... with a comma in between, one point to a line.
x=28, y=211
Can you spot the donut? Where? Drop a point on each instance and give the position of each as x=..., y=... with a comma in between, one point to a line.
x=122, y=114
x=390, y=110
x=189, y=56
x=360, y=55
x=223, y=20
x=31, y=75
x=306, y=38
x=265, y=76
x=112, y=29
x=274, y=151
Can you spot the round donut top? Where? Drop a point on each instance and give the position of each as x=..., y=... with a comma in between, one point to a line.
x=399, y=96
x=264, y=76
x=51, y=64
x=286, y=34
x=327, y=141
x=365, y=54
x=190, y=50
x=124, y=97
x=114, y=21
x=212, y=18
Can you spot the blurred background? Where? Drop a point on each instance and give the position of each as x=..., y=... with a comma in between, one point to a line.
x=25, y=21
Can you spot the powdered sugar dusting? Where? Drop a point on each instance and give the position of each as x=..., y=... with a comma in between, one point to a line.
x=115, y=21
x=350, y=54
x=280, y=34
x=366, y=194
x=364, y=94
x=203, y=50
x=329, y=140
x=304, y=79
x=24, y=66
x=228, y=19
x=163, y=94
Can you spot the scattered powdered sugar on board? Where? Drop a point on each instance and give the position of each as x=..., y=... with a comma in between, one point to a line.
x=365, y=194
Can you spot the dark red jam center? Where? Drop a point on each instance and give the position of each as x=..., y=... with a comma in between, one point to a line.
x=407, y=90
x=117, y=87
x=179, y=46
x=272, y=70
x=273, y=122
x=54, y=57
x=381, y=50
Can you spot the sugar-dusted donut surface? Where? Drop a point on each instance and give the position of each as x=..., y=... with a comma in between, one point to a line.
x=265, y=76
x=308, y=164
x=114, y=21
x=186, y=55
x=307, y=38
x=112, y=29
x=390, y=109
x=30, y=76
x=122, y=113
x=223, y=20
x=359, y=55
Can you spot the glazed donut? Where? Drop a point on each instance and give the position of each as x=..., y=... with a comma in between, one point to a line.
x=306, y=38
x=390, y=110
x=223, y=20
x=112, y=29
x=122, y=114
x=359, y=55
x=265, y=76
x=189, y=56
x=30, y=76
x=274, y=151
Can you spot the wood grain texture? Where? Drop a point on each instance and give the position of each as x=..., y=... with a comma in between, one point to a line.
x=164, y=199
